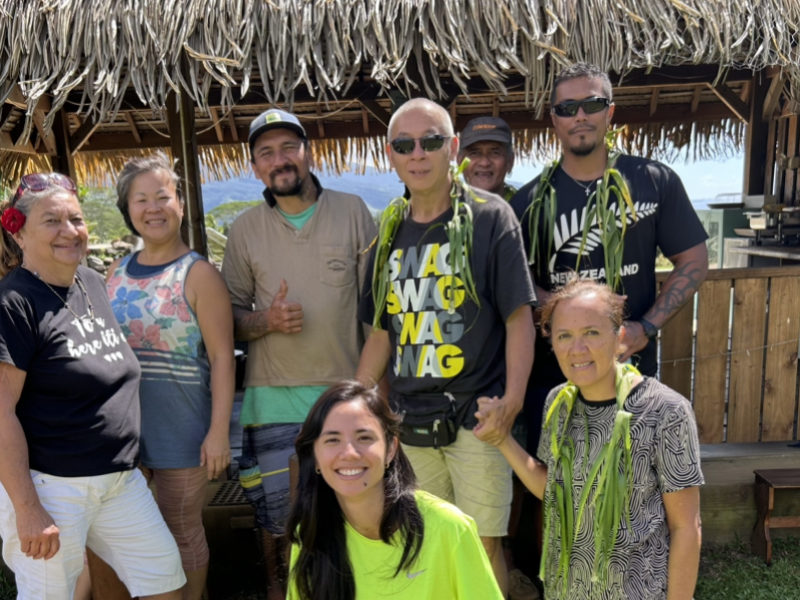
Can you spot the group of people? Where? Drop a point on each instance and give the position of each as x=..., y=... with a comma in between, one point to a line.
x=393, y=360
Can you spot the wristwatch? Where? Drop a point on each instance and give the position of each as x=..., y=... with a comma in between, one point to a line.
x=650, y=330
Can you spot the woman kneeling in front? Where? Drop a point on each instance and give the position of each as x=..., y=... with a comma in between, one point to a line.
x=359, y=529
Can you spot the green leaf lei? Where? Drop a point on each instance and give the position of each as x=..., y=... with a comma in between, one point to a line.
x=459, y=230
x=607, y=488
x=542, y=211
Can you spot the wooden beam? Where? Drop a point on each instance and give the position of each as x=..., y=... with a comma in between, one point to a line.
x=17, y=99
x=45, y=134
x=132, y=126
x=217, y=125
x=520, y=119
x=696, y=97
x=183, y=142
x=731, y=100
x=376, y=110
x=6, y=143
x=83, y=133
x=63, y=161
x=364, y=121
x=320, y=124
x=6, y=110
x=232, y=125
x=773, y=96
x=653, y=101
x=744, y=93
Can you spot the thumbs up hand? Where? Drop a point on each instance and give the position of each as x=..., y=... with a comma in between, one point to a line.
x=283, y=316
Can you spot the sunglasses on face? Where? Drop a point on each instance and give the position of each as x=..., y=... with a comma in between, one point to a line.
x=590, y=106
x=429, y=143
x=38, y=182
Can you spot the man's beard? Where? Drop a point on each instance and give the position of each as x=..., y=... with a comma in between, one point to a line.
x=583, y=150
x=289, y=189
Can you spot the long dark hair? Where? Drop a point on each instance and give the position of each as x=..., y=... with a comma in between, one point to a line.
x=323, y=570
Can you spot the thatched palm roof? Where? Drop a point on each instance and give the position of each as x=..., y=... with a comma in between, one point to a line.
x=110, y=65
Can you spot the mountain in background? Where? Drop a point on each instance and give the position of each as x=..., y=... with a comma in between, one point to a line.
x=374, y=187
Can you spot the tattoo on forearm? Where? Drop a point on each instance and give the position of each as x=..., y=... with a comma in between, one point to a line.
x=677, y=289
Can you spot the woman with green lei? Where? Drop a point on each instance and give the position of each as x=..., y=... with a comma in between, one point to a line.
x=621, y=463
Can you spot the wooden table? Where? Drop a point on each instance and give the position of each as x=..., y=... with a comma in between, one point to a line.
x=767, y=481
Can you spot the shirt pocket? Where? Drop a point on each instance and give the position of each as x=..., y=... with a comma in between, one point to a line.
x=337, y=267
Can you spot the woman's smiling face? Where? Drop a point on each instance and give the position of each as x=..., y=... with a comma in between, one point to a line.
x=586, y=344
x=351, y=452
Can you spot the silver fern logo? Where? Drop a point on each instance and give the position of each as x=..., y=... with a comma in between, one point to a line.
x=568, y=230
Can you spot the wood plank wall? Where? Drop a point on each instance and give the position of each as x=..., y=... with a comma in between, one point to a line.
x=734, y=353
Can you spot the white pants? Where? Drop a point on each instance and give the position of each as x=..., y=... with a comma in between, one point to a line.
x=115, y=515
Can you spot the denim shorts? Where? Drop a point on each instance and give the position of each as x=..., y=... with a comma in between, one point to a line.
x=115, y=515
x=264, y=472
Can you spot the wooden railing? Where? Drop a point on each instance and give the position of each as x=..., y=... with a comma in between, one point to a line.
x=740, y=365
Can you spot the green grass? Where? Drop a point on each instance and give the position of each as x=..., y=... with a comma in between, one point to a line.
x=732, y=572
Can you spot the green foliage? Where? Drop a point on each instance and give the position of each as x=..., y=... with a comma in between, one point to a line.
x=733, y=572
x=221, y=217
x=102, y=215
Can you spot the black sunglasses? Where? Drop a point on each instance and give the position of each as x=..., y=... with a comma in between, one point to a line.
x=429, y=143
x=38, y=182
x=569, y=108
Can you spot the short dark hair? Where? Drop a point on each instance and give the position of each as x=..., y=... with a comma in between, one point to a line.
x=316, y=523
x=157, y=161
x=581, y=69
x=576, y=287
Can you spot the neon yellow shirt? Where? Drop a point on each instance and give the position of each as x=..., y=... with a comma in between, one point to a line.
x=452, y=563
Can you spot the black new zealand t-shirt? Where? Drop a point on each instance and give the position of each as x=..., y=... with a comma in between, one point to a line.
x=665, y=219
x=79, y=406
x=441, y=340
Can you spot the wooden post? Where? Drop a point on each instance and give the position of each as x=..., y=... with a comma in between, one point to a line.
x=756, y=150
x=183, y=143
x=63, y=160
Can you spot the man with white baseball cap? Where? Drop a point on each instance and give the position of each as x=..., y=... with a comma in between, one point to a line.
x=294, y=267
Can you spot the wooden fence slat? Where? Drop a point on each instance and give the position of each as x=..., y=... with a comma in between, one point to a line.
x=780, y=370
x=711, y=359
x=747, y=360
x=676, y=351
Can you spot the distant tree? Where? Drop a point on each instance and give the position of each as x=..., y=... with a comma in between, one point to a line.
x=102, y=215
x=225, y=214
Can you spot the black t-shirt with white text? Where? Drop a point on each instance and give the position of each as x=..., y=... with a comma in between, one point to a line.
x=79, y=407
x=665, y=219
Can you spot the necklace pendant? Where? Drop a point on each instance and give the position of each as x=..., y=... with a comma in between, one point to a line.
x=588, y=191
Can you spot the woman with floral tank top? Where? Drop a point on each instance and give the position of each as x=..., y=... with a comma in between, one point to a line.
x=174, y=309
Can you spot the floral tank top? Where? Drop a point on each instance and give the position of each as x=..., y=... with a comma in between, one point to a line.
x=163, y=331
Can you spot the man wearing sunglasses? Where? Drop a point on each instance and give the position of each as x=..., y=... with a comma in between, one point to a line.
x=448, y=349
x=294, y=266
x=581, y=113
x=486, y=141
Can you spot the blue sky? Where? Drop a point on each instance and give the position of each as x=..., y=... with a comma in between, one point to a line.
x=703, y=180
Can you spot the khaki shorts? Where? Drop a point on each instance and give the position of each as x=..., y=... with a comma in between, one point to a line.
x=472, y=475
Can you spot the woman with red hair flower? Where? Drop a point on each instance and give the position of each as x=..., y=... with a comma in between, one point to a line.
x=69, y=412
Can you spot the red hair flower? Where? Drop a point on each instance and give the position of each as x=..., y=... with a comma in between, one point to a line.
x=12, y=219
